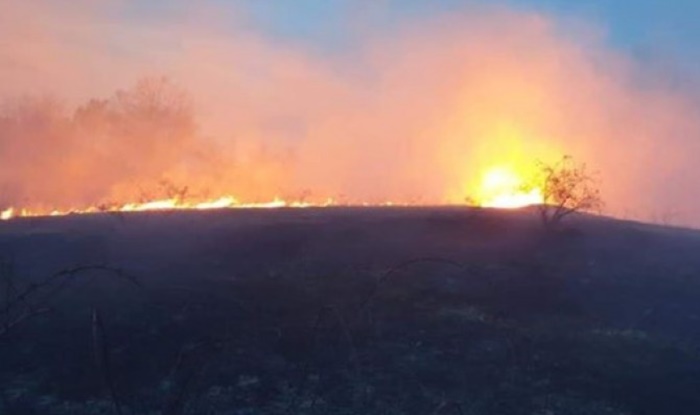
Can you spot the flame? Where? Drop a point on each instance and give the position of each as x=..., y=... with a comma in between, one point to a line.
x=224, y=202
x=500, y=187
x=174, y=204
x=7, y=214
x=503, y=187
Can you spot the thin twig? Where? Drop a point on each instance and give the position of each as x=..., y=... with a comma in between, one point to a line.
x=347, y=334
x=400, y=267
x=7, y=327
x=27, y=305
x=185, y=363
x=101, y=353
x=445, y=405
x=33, y=288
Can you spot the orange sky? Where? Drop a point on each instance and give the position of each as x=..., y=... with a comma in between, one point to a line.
x=417, y=113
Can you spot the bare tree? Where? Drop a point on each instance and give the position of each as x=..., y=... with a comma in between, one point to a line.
x=567, y=187
x=154, y=111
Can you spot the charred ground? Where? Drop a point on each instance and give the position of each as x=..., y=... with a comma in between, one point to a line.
x=348, y=311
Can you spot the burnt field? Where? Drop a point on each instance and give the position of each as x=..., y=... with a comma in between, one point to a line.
x=347, y=311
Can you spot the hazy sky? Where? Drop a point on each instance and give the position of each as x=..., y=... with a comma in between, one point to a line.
x=660, y=32
x=368, y=99
x=637, y=25
x=641, y=26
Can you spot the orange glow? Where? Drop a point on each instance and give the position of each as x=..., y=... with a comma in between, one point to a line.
x=500, y=187
x=503, y=187
x=414, y=115
x=225, y=202
x=7, y=214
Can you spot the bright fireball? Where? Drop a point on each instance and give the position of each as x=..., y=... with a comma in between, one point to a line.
x=503, y=187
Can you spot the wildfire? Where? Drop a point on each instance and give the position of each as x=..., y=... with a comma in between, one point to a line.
x=225, y=202
x=7, y=214
x=502, y=187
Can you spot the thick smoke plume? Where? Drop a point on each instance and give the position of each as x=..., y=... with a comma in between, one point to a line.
x=101, y=104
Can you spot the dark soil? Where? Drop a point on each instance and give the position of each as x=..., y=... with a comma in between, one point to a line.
x=347, y=311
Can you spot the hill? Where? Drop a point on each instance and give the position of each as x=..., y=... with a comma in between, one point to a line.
x=347, y=311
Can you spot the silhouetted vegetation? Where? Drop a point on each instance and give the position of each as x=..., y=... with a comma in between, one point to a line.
x=567, y=187
x=119, y=146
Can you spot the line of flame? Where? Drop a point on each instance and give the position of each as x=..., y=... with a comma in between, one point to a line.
x=230, y=202
x=225, y=202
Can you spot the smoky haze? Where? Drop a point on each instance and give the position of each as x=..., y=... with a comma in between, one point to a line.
x=100, y=106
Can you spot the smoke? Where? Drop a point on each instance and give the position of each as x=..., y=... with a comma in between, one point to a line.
x=413, y=111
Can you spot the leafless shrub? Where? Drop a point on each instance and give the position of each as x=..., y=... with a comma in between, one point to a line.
x=667, y=217
x=567, y=187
